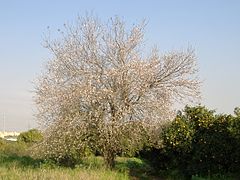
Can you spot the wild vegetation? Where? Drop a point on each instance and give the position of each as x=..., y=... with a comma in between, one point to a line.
x=197, y=144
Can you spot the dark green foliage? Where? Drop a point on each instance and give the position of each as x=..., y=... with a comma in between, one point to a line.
x=198, y=142
x=31, y=136
x=213, y=146
x=157, y=158
x=235, y=132
x=235, y=125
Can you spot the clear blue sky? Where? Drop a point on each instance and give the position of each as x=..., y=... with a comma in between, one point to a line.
x=211, y=27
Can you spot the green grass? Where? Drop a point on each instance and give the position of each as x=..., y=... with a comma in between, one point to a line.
x=15, y=164
x=14, y=173
x=15, y=167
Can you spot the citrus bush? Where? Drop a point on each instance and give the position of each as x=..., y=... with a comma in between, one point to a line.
x=200, y=142
x=235, y=132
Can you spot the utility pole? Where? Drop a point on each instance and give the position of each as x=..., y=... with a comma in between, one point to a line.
x=4, y=122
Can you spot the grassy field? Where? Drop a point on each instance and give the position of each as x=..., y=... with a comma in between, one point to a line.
x=15, y=167
x=15, y=164
x=44, y=174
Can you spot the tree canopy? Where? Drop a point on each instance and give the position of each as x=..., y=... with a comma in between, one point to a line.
x=102, y=91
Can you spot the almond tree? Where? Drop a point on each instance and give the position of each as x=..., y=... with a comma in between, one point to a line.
x=101, y=91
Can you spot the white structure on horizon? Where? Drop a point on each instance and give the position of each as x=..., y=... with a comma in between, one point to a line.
x=11, y=136
x=3, y=134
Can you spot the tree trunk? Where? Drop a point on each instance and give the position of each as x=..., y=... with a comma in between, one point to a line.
x=109, y=159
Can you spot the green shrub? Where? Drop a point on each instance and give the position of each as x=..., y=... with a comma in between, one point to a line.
x=198, y=142
x=15, y=148
x=213, y=146
x=177, y=140
x=235, y=132
x=31, y=136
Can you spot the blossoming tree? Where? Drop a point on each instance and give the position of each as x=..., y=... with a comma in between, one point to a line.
x=101, y=91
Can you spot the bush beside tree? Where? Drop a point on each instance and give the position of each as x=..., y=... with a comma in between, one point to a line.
x=199, y=142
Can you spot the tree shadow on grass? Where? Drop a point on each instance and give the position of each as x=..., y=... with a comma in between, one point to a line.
x=137, y=169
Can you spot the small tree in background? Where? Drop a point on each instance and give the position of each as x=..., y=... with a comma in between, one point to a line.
x=102, y=92
x=31, y=136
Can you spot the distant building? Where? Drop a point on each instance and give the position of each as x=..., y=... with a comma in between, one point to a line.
x=11, y=136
